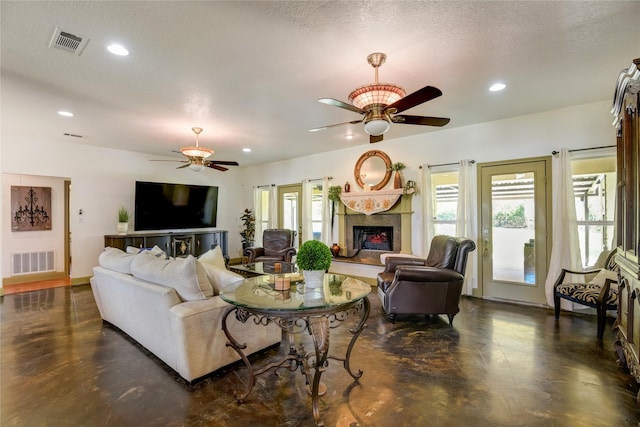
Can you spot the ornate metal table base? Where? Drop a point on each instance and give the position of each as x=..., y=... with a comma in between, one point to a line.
x=317, y=323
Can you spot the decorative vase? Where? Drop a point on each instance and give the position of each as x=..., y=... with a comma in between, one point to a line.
x=397, y=180
x=335, y=249
x=123, y=227
x=313, y=278
x=347, y=187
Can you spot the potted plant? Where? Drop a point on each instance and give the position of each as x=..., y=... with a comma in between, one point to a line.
x=334, y=195
x=249, y=231
x=397, y=179
x=123, y=220
x=313, y=258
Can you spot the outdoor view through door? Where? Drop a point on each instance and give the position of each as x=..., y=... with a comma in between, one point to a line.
x=514, y=224
x=289, y=212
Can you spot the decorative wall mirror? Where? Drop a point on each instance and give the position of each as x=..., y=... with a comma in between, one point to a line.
x=373, y=169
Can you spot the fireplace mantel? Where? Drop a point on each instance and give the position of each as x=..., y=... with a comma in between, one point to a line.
x=399, y=215
x=371, y=202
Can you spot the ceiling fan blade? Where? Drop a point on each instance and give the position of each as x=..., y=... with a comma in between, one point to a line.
x=220, y=168
x=352, y=122
x=340, y=104
x=425, y=94
x=222, y=162
x=374, y=138
x=184, y=166
x=420, y=120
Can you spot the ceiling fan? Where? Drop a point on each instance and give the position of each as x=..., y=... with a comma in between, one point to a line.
x=380, y=104
x=197, y=156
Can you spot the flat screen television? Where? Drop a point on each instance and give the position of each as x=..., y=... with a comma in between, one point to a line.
x=164, y=206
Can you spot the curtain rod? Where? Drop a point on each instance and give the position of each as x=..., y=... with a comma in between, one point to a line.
x=446, y=164
x=320, y=179
x=554, y=152
x=265, y=186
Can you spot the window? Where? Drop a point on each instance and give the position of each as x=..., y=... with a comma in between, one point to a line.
x=316, y=210
x=594, y=187
x=262, y=213
x=445, y=205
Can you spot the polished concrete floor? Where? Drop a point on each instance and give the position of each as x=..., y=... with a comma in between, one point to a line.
x=499, y=365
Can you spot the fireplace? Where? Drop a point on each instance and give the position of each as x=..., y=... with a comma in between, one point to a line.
x=377, y=238
x=363, y=238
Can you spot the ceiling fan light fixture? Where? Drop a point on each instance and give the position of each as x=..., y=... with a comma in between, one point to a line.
x=376, y=127
x=196, y=151
x=377, y=94
x=200, y=153
x=196, y=167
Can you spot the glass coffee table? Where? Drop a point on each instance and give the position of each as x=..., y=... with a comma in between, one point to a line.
x=296, y=311
x=260, y=268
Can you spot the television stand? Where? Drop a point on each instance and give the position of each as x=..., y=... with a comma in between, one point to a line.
x=177, y=243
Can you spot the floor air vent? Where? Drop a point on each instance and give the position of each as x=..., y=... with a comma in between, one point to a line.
x=69, y=42
x=32, y=262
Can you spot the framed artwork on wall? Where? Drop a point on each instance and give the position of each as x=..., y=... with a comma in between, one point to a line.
x=30, y=208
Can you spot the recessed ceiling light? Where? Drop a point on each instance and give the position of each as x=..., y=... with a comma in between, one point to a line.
x=349, y=136
x=496, y=87
x=65, y=113
x=246, y=150
x=118, y=49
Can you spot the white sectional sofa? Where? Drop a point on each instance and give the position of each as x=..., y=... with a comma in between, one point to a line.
x=172, y=308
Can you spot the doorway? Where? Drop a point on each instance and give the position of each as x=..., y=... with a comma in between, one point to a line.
x=289, y=208
x=515, y=214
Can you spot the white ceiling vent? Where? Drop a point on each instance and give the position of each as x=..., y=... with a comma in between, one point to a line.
x=66, y=41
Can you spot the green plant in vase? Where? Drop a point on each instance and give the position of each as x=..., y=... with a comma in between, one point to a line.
x=249, y=230
x=123, y=220
x=397, y=178
x=313, y=258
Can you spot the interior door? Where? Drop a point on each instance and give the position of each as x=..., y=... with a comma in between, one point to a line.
x=289, y=208
x=515, y=219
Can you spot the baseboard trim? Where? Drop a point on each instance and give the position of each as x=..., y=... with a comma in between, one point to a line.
x=77, y=281
x=37, y=277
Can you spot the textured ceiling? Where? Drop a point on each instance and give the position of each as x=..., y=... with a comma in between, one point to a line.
x=250, y=73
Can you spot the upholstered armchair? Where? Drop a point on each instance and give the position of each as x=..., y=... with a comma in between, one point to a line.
x=598, y=288
x=277, y=245
x=426, y=286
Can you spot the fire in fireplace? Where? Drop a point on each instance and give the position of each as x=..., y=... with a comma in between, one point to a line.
x=374, y=238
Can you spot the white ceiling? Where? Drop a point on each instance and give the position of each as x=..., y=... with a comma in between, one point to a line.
x=250, y=73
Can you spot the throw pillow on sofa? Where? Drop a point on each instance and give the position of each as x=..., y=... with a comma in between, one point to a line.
x=219, y=277
x=116, y=259
x=213, y=257
x=185, y=275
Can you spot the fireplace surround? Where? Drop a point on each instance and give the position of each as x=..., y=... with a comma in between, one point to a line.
x=353, y=226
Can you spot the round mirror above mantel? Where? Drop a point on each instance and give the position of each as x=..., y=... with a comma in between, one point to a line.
x=373, y=170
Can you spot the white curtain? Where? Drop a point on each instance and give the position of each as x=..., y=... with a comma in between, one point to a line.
x=307, y=228
x=326, y=212
x=272, y=207
x=257, y=211
x=427, y=208
x=466, y=220
x=272, y=219
x=565, y=252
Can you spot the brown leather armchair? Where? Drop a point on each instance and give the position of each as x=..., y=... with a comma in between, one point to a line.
x=278, y=245
x=426, y=286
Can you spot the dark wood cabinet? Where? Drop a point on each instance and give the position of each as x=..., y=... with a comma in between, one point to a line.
x=625, y=108
x=178, y=243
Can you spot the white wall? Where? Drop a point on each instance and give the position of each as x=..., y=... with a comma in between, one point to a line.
x=101, y=181
x=104, y=179
x=534, y=135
